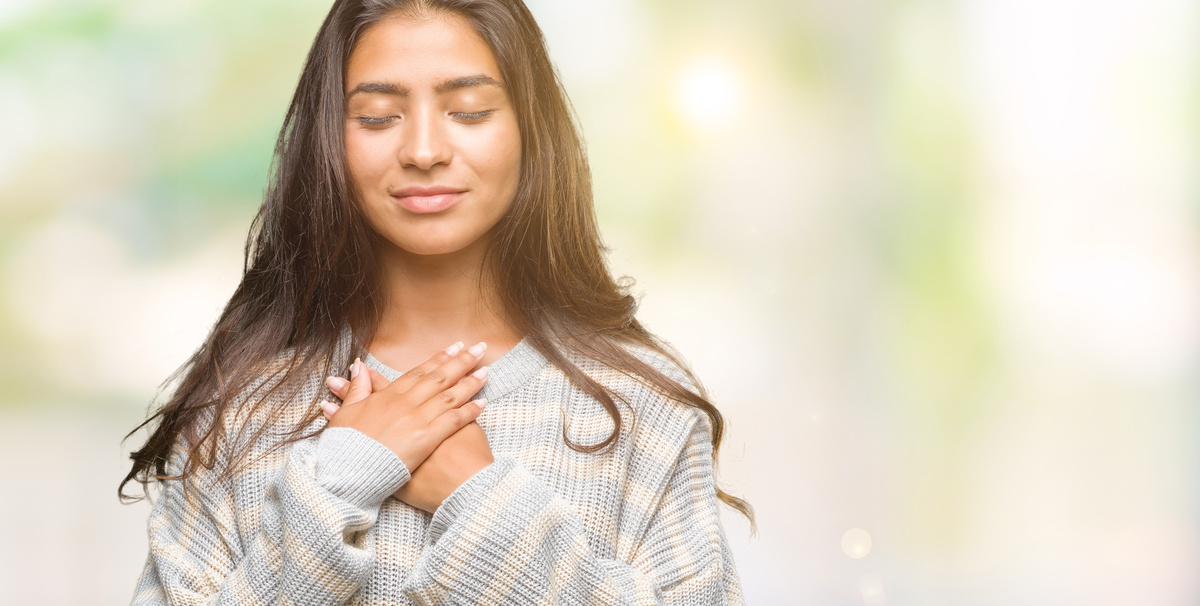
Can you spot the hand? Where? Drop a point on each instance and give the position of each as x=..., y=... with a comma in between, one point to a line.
x=414, y=414
x=459, y=457
x=456, y=459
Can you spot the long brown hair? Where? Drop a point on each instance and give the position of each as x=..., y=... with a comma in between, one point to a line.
x=310, y=269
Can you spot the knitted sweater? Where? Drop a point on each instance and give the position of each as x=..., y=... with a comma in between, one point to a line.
x=314, y=522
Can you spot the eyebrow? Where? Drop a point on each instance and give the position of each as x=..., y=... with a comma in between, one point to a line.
x=390, y=88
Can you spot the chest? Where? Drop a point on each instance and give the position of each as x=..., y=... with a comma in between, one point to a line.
x=593, y=483
x=534, y=431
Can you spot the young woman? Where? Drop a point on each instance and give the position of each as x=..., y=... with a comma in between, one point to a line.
x=431, y=194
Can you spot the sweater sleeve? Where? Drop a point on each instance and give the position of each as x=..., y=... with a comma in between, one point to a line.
x=505, y=538
x=313, y=546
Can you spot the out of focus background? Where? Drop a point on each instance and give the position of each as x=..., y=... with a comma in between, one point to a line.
x=937, y=261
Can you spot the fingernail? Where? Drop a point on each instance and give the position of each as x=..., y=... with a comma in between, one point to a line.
x=329, y=407
x=481, y=403
x=336, y=383
x=355, y=368
x=454, y=349
x=478, y=349
x=480, y=374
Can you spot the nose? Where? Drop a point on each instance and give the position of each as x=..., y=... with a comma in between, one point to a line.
x=424, y=142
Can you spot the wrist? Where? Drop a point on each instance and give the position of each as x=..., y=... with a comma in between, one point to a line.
x=355, y=467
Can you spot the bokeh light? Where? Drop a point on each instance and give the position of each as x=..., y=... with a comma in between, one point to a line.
x=708, y=92
x=856, y=543
x=871, y=586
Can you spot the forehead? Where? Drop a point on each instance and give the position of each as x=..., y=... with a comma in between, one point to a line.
x=419, y=51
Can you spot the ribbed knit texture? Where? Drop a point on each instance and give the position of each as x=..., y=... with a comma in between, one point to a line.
x=314, y=522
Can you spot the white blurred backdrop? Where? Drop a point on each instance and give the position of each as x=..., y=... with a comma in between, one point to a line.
x=937, y=261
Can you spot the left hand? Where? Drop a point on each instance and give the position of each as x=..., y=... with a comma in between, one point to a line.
x=453, y=462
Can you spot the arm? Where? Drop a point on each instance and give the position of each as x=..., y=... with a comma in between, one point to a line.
x=504, y=538
x=313, y=546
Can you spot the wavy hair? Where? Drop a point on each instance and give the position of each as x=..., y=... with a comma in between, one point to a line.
x=311, y=271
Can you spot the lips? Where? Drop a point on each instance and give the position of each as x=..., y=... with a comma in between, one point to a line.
x=425, y=200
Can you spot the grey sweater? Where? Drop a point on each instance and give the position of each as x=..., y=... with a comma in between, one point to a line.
x=314, y=522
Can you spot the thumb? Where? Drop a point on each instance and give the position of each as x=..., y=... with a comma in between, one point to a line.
x=360, y=383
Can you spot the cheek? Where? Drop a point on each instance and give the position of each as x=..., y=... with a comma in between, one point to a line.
x=503, y=159
x=365, y=157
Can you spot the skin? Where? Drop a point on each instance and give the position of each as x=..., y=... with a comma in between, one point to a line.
x=443, y=118
x=463, y=138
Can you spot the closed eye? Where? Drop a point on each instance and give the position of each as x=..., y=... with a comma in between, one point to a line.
x=375, y=121
x=472, y=116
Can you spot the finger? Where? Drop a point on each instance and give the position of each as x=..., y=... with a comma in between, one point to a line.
x=446, y=375
x=378, y=381
x=459, y=393
x=328, y=409
x=360, y=383
x=338, y=386
x=410, y=378
x=453, y=420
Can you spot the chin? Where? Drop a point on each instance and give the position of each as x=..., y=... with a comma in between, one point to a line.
x=431, y=250
x=436, y=236
x=433, y=246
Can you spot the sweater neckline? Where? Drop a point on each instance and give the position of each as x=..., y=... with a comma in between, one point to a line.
x=505, y=375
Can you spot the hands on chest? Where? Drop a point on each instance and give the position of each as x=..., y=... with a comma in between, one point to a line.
x=424, y=417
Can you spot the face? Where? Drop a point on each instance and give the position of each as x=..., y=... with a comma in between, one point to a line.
x=431, y=137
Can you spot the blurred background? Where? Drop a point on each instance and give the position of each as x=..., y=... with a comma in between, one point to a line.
x=936, y=260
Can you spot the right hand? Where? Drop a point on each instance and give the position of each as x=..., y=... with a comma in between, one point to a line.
x=417, y=411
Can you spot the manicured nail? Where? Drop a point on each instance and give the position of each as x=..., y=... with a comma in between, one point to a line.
x=336, y=384
x=329, y=407
x=478, y=349
x=480, y=374
x=355, y=368
x=454, y=349
x=481, y=403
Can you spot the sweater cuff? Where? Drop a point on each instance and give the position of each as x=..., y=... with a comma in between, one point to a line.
x=357, y=468
x=496, y=526
x=469, y=495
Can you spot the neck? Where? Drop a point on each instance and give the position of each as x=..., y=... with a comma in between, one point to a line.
x=435, y=300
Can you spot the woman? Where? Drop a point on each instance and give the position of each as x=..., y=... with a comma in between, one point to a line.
x=430, y=188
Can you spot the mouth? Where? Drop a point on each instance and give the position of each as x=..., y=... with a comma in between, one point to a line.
x=426, y=200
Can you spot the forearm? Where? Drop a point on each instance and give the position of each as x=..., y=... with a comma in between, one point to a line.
x=312, y=544
x=506, y=539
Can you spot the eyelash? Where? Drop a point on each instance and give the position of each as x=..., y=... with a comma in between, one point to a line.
x=475, y=115
x=469, y=116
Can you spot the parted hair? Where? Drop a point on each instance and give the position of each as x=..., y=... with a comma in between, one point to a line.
x=311, y=268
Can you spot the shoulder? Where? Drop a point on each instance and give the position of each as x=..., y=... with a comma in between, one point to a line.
x=657, y=405
x=671, y=367
x=278, y=396
x=262, y=407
